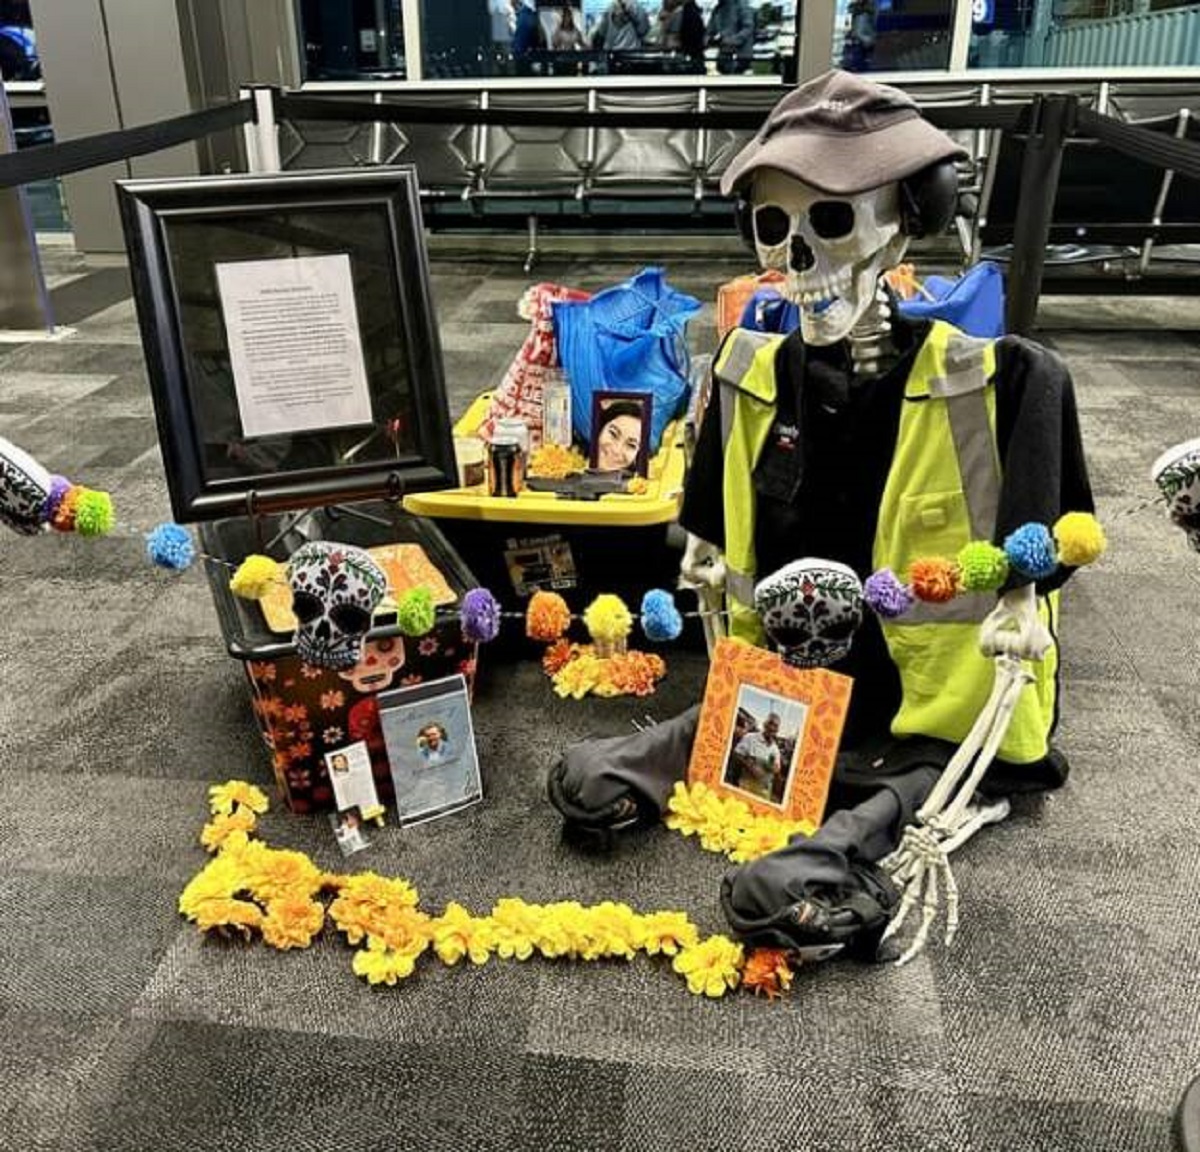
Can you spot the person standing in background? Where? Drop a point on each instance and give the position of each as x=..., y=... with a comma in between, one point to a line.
x=731, y=29
x=567, y=36
x=692, y=34
x=622, y=28
x=525, y=29
x=670, y=21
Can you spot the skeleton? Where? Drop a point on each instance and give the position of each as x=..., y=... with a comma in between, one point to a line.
x=335, y=591
x=833, y=251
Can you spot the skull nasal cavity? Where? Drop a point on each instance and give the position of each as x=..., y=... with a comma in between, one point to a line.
x=802, y=255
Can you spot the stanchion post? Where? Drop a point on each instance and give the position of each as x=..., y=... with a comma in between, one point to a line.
x=1052, y=119
x=262, y=135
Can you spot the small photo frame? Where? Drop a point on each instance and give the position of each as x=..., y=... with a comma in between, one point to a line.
x=768, y=733
x=621, y=432
x=348, y=830
x=431, y=748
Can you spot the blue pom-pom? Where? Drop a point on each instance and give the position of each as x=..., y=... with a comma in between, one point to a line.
x=1030, y=550
x=170, y=546
x=660, y=618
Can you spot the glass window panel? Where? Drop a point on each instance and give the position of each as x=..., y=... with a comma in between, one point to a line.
x=892, y=35
x=18, y=45
x=554, y=38
x=1083, y=33
x=352, y=39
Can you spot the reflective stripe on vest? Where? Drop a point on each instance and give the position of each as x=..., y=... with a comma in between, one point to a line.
x=943, y=490
x=745, y=371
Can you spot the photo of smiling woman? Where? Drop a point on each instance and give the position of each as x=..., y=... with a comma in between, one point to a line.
x=621, y=432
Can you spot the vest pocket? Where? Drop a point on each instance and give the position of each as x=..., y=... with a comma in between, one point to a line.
x=934, y=524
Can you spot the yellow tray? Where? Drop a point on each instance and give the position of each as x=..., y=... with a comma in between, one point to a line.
x=658, y=505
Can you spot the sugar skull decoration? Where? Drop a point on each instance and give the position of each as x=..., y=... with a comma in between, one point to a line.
x=1177, y=474
x=24, y=489
x=811, y=609
x=381, y=660
x=335, y=591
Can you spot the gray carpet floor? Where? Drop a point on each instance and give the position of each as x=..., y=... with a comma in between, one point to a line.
x=1066, y=1016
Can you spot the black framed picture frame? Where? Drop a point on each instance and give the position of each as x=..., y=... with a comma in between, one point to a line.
x=290, y=338
x=621, y=425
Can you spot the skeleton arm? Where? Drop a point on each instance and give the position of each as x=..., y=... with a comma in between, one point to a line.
x=703, y=570
x=1011, y=633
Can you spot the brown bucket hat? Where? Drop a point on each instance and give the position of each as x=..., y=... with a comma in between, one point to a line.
x=843, y=135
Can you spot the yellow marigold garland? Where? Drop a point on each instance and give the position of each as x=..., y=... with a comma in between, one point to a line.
x=248, y=887
x=727, y=825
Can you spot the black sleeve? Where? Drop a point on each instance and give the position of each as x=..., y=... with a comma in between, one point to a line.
x=1044, y=473
x=703, y=512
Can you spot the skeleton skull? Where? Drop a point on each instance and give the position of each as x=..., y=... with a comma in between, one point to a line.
x=335, y=591
x=832, y=249
x=811, y=609
x=381, y=660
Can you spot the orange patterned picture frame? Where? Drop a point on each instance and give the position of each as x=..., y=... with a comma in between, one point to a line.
x=745, y=684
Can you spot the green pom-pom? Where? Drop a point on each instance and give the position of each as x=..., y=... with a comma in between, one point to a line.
x=982, y=567
x=415, y=613
x=94, y=514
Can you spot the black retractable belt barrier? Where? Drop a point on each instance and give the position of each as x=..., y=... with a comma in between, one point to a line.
x=1180, y=156
x=316, y=108
x=46, y=161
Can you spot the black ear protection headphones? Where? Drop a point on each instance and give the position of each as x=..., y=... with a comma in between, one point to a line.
x=928, y=199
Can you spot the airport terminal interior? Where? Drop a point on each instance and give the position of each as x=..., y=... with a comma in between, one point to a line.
x=613, y=934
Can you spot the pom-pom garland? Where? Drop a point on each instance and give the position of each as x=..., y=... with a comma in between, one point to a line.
x=607, y=618
x=661, y=620
x=255, y=576
x=480, y=616
x=1080, y=539
x=547, y=618
x=170, y=546
x=982, y=567
x=933, y=580
x=59, y=487
x=885, y=595
x=415, y=612
x=1030, y=550
x=63, y=519
x=94, y=514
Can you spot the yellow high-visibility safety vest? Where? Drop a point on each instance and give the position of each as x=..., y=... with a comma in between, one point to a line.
x=942, y=490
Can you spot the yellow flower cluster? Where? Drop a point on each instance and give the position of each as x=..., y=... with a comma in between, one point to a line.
x=555, y=462
x=248, y=887
x=726, y=825
x=624, y=674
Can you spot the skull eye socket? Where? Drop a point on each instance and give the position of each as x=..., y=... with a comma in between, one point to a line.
x=832, y=219
x=306, y=606
x=772, y=225
x=350, y=618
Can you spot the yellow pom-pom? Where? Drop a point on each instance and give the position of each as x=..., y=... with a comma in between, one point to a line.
x=607, y=618
x=254, y=577
x=1080, y=539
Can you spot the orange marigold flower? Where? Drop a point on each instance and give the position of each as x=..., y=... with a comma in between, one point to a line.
x=933, y=580
x=767, y=972
x=292, y=922
x=557, y=656
x=227, y=916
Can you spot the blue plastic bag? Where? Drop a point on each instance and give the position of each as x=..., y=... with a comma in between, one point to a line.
x=972, y=302
x=629, y=338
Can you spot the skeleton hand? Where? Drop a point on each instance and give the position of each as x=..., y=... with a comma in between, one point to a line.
x=1014, y=627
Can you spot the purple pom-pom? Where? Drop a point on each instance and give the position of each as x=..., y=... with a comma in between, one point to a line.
x=1030, y=550
x=885, y=595
x=480, y=616
x=59, y=486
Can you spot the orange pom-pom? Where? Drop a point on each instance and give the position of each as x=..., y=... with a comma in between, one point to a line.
x=547, y=617
x=935, y=581
x=68, y=509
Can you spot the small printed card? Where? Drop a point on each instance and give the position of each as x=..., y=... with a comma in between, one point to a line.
x=350, y=776
x=348, y=828
x=431, y=748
